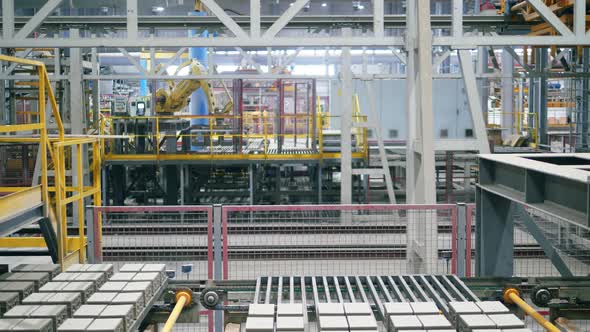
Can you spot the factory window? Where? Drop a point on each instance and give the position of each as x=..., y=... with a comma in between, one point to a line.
x=444, y=133
x=468, y=132
x=392, y=133
x=370, y=133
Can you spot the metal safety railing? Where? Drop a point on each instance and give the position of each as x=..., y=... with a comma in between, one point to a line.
x=65, y=188
x=249, y=137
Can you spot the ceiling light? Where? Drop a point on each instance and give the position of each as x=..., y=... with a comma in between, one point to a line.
x=324, y=4
x=157, y=9
x=291, y=4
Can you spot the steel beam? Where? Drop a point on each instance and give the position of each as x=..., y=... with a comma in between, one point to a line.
x=224, y=18
x=284, y=19
x=457, y=18
x=517, y=58
x=508, y=114
x=36, y=20
x=134, y=62
x=474, y=101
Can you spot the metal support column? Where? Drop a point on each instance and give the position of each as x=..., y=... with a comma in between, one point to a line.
x=77, y=111
x=217, y=259
x=585, y=97
x=508, y=115
x=540, y=93
x=346, y=124
x=420, y=179
x=461, y=240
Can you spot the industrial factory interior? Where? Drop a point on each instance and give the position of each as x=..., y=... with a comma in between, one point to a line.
x=295, y=165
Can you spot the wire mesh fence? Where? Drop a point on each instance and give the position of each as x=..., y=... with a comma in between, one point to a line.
x=335, y=239
x=179, y=236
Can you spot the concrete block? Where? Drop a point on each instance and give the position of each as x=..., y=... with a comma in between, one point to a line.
x=106, y=325
x=492, y=307
x=261, y=310
x=398, y=308
x=6, y=324
x=74, y=268
x=152, y=277
x=404, y=322
x=34, y=325
x=89, y=310
x=98, y=278
x=144, y=287
x=72, y=301
x=23, y=288
x=487, y=330
x=37, y=298
x=112, y=286
x=107, y=269
x=424, y=308
x=431, y=322
x=506, y=321
x=290, y=323
x=38, y=278
x=259, y=324
x=158, y=268
x=463, y=307
x=52, y=287
x=124, y=311
x=84, y=288
x=66, y=276
x=123, y=276
x=330, y=309
x=52, y=269
x=333, y=323
x=362, y=323
x=290, y=309
x=57, y=313
x=135, y=299
x=7, y=301
x=358, y=308
x=75, y=325
x=517, y=330
x=472, y=322
x=131, y=268
x=21, y=311
x=102, y=298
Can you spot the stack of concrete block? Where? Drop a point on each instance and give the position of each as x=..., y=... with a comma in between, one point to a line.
x=97, y=278
x=56, y=312
x=502, y=322
x=26, y=325
x=72, y=301
x=84, y=288
x=360, y=317
x=38, y=278
x=124, y=311
x=52, y=269
x=260, y=318
x=331, y=317
x=107, y=269
x=290, y=317
x=8, y=301
x=92, y=324
x=414, y=316
x=23, y=288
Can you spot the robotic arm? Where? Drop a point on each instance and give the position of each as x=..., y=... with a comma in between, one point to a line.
x=176, y=96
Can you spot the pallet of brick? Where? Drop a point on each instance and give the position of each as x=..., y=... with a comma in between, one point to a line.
x=75, y=325
x=34, y=325
x=38, y=278
x=98, y=278
x=23, y=288
x=106, y=325
x=123, y=311
x=52, y=269
x=107, y=269
x=71, y=300
x=58, y=313
x=7, y=301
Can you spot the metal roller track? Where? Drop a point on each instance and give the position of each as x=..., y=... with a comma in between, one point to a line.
x=375, y=290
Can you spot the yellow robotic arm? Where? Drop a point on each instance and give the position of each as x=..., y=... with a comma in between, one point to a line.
x=175, y=97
